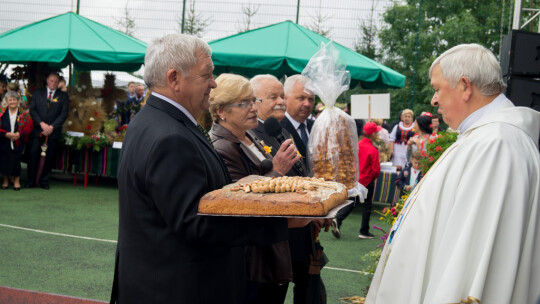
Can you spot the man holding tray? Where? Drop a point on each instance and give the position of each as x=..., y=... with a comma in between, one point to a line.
x=166, y=252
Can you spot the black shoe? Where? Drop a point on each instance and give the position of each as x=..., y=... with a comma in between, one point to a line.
x=335, y=229
x=44, y=186
x=366, y=236
x=16, y=188
x=30, y=185
x=5, y=187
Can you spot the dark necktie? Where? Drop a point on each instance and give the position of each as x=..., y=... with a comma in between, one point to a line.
x=205, y=133
x=303, y=134
x=49, y=99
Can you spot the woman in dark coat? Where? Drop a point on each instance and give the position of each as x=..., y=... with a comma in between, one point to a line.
x=234, y=115
x=15, y=126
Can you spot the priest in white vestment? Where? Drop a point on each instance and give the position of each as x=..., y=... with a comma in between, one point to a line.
x=470, y=230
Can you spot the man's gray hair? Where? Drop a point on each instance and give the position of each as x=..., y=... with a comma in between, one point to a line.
x=256, y=81
x=172, y=51
x=291, y=81
x=474, y=62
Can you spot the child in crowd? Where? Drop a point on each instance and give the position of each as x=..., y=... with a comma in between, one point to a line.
x=409, y=177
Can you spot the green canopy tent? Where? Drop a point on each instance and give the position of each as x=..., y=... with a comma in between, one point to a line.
x=71, y=38
x=285, y=48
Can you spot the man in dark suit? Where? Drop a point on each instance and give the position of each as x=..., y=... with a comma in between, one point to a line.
x=131, y=102
x=300, y=102
x=271, y=103
x=48, y=108
x=166, y=252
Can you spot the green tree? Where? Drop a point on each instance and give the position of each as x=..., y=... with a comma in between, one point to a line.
x=439, y=25
x=366, y=42
x=126, y=24
x=194, y=23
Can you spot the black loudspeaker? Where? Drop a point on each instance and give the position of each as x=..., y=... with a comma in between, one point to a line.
x=524, y=92
x=520, y=54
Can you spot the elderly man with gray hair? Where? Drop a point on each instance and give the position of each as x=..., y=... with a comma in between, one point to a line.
x=469, y=232
x=166, y=252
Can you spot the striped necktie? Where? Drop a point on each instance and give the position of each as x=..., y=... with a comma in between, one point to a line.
x=205, y=133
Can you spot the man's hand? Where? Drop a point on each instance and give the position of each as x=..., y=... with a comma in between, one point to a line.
x=325, y=223
x=298, y=222
x=285, y=158
x=47, y=129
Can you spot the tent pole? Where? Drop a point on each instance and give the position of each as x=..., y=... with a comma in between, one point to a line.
x=78, y=5
x=183, y=15
x=416, y=54
x=297, y=11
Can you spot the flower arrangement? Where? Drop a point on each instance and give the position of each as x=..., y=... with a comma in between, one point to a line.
x=97, y=142
x=389, y=215
x=435, y=148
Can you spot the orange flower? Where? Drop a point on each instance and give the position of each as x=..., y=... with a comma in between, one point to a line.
x=267, y=149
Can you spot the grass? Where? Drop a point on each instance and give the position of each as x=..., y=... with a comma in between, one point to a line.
x=84, y=268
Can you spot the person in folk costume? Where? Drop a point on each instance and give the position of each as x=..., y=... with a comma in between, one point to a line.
x=400, y=135
x=15, y=128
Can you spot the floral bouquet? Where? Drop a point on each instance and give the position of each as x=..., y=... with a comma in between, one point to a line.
x=435, y=148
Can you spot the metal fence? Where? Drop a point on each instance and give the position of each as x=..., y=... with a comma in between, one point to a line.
x=342, y=18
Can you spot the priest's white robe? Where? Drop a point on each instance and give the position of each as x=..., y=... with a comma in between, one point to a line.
x=470, y=230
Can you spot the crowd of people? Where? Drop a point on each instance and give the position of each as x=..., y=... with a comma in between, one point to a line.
x=463, y=237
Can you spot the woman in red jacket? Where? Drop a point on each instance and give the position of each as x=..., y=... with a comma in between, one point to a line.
x=368, y=162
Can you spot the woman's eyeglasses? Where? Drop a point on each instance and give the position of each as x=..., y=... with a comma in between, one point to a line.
x=245, y=104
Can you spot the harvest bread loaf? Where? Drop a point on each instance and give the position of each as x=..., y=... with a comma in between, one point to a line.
x=333, y=157
x=260, y=195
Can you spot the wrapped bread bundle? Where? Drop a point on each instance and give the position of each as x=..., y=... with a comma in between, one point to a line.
x=333, y=144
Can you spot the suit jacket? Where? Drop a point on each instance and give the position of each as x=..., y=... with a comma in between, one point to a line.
x=405, y=176
x=287, y=125
x=53, y=114
x=300, y=239
x=298, y=169
x=166, y=252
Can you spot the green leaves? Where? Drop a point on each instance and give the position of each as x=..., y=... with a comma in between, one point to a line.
x=443, y=24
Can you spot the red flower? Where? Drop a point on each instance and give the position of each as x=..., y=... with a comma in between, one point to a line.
x=431, y=158
x=89, y=127
x=438, y=148
x=423, y=153
x=95, y=113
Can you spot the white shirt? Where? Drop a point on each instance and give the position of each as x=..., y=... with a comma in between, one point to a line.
x=12, y=121
x=414, y=175
x=51, y=92
x=296, y=125
x=177, y=105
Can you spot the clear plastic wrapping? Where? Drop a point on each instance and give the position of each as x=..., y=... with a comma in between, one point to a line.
x=333, y=144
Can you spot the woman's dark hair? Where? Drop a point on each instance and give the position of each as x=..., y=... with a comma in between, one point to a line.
x=424, y=124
